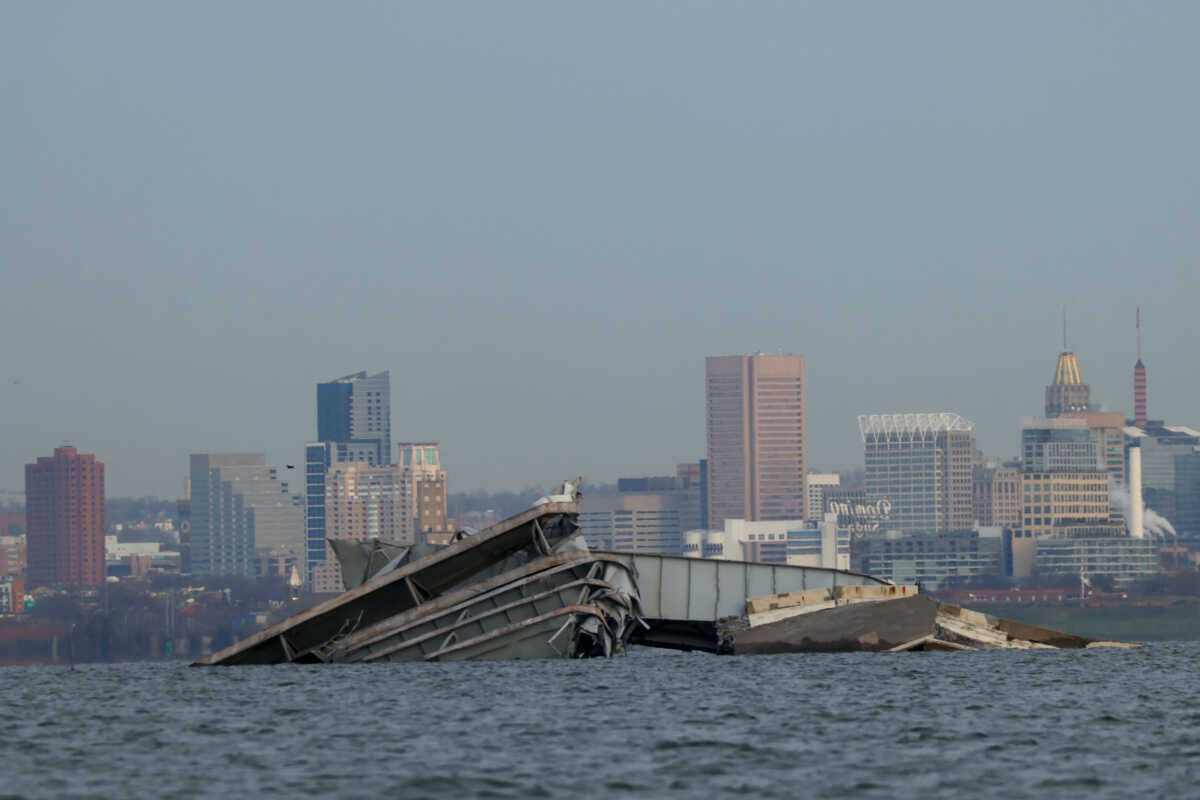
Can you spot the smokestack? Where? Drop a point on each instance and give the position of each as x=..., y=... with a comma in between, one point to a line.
x=1137, y=529
x=1139, y=380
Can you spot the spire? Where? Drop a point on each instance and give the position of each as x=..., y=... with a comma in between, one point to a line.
x=1064, y=328
x=1138, y=324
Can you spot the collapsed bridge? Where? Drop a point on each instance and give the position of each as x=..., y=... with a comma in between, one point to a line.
x=529, y=587
x=526, y=587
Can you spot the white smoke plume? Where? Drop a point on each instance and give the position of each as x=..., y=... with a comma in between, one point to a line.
x=1155, y=524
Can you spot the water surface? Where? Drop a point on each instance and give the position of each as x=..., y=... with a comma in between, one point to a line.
x=1105, y=723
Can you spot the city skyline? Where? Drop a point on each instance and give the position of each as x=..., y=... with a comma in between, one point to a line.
x=207, y=226
x=846, y=459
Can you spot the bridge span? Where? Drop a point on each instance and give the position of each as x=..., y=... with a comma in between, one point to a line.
x=682, y=598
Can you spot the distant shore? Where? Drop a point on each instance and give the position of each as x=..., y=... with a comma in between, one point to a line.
x=1132, y=619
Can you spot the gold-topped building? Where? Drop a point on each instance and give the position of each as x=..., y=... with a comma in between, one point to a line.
x=1067, y=394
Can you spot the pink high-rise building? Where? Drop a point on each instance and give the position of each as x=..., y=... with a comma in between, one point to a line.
x=756, y=438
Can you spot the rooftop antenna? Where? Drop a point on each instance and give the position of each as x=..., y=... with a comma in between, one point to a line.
x=1139, y=332
x=1064, y=315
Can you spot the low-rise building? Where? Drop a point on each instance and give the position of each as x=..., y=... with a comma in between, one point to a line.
x=935, y=560
x=1123, y=558
x=796, y=542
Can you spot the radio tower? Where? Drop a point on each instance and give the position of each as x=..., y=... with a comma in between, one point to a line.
x=1139, y=380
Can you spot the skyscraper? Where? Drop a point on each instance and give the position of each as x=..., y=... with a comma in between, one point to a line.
x=756, y=438
x=923, y=464
x=355, y=412
x=64, y=515
x=354, y=423
x=240, y=508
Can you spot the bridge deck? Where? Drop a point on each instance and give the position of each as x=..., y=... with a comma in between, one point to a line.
x=682, y=598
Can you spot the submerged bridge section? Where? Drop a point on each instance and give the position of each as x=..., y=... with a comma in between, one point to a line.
x=682, y=598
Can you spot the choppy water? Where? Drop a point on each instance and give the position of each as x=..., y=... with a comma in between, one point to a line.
x=1106, y=723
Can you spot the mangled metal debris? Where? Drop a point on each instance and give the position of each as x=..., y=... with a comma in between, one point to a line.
x=879, y=618
x=525, y=588
x=529, y=587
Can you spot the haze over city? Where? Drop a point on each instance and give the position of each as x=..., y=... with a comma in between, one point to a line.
x=542, y=219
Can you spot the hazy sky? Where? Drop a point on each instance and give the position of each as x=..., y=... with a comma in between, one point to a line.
x=541, y=217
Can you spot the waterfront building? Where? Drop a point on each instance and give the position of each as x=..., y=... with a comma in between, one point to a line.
x=239, y=506
x=1067, y=393
x=996, y=496
x=1098, y=552
x=355, y=413
x=922, y=464
x=935, y=560
x=756, y=437
x=644, y=515
x=64, y=515
x=818, y=482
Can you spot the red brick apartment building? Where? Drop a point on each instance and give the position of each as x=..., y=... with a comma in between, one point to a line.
x=64, y=515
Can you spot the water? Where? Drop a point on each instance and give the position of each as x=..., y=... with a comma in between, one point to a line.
x=1108, y=723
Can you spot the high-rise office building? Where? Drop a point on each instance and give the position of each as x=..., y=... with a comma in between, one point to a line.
x=1067, y=393
x=354, y=412
x=240, y=508
x=756, y=438
x=922, y=464
x=64, y=513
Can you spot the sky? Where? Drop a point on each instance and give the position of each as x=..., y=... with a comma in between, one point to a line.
x=541, y=217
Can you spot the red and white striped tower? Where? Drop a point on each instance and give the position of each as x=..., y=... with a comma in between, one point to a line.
x=1139, y=380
